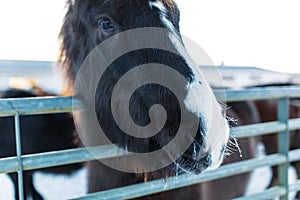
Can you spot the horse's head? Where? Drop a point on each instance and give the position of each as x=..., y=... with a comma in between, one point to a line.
x=90, y=22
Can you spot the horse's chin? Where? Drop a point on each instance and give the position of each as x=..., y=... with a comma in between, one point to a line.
x=203, y=155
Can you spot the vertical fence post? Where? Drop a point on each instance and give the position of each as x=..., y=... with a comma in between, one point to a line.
x=283, y=143
x=19, y=154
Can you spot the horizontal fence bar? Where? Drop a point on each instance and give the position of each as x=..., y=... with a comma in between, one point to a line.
x=257, y=129
x=264, y=128
x=267, y=194
x=294, y=186
x=294, y=155
x=63, y=157
x=57, y=158
x=8, y=165
x=257, y=93
x=161, y=185
x=38, y=105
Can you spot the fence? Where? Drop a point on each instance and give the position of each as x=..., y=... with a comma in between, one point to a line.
x=31, y=106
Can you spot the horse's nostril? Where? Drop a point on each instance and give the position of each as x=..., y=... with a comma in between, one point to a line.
x=198, y=152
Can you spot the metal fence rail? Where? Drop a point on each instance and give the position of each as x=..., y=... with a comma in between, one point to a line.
x=31, y=106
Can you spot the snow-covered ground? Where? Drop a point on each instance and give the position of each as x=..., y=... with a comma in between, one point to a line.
x=60, y=187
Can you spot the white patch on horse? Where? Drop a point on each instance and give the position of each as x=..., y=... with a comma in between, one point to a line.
x=163, y=14
x=199, y=96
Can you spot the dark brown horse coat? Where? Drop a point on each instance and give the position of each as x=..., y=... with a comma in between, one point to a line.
x=268, y=112
x=39, y=133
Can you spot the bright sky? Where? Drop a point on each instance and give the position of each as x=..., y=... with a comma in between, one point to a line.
x=260, y=33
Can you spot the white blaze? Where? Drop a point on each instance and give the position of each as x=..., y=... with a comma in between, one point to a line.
x=200, y=99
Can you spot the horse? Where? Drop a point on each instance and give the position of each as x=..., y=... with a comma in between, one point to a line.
x=149, y=32
x=39, y=133
x=268, y=112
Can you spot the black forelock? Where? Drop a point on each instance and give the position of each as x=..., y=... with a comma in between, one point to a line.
x=78, y=34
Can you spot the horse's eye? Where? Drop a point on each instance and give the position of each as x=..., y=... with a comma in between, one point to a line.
x=106, y=25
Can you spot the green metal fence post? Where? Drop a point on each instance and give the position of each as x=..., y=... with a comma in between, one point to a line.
x=283, y=144
x=19, y=155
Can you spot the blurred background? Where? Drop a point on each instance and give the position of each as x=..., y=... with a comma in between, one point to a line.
x=261, y=34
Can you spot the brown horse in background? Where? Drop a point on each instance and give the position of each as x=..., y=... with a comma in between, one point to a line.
x=39, y=133
x=268, y=112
